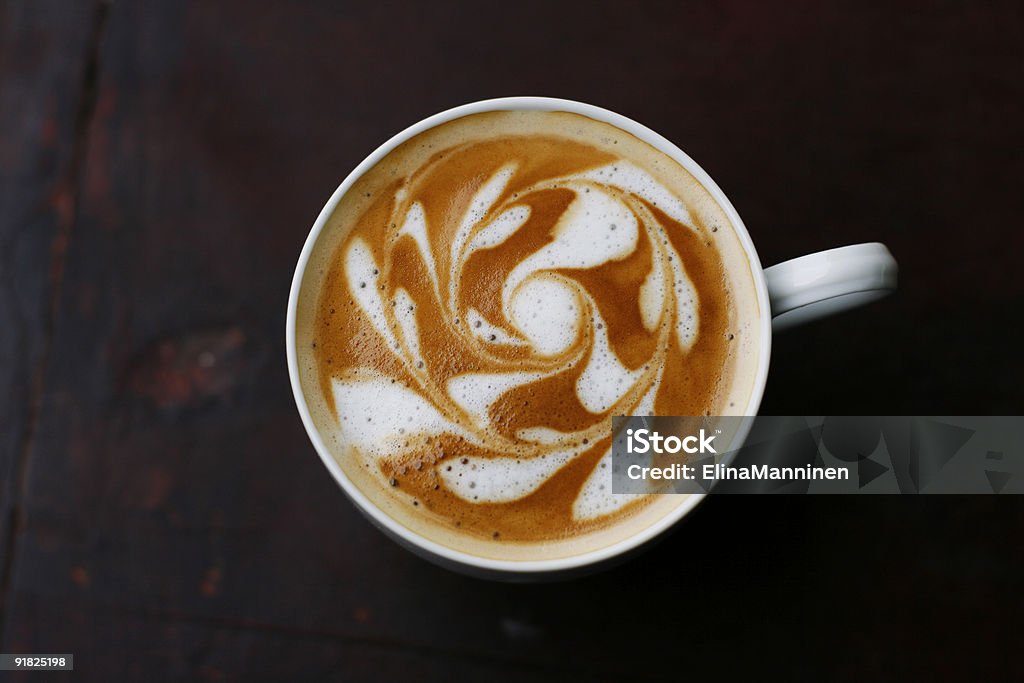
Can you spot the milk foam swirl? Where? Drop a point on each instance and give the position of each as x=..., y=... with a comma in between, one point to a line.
x=506, y=299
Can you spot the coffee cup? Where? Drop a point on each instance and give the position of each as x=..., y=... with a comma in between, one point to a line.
x=787, y=294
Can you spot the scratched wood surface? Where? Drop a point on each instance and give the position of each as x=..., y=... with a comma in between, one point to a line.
x=164, y=516
x=43, y=65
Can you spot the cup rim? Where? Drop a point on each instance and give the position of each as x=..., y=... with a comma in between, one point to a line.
x=408, y=536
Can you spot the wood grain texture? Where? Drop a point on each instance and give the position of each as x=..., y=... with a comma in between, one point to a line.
x=177, y=524
x=44, y=51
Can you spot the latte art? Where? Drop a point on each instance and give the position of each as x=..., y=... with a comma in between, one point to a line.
x=493, y=297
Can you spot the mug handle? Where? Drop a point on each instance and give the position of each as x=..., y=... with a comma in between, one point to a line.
x=827, y=282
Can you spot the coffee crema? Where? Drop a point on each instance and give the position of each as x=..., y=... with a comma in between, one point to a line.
x=487, y=296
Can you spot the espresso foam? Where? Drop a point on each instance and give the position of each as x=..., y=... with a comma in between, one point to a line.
x=486, y=297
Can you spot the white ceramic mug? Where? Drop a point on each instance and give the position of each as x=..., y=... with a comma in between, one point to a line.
x=793, y=292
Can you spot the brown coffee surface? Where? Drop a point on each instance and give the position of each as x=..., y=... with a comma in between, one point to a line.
x=488, y=295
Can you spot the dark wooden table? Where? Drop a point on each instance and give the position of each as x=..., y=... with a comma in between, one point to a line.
x=164, y=516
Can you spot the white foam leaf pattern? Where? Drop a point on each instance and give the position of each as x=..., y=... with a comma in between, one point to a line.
x=479, y=205
x=405, y=312
x=415, y=225
x=605, y=379
x=376, y=414
x=596, y=498
x=499, y=230
x=503, y=479
x=364, y=274
x=631, y=178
